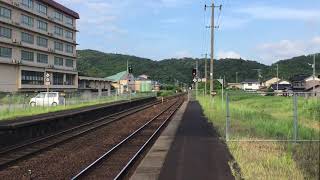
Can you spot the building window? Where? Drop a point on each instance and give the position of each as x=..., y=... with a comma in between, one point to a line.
x=42, y=25
x=58, y=16
x=28, y=3
x=5, y=52
x=58, y=46
x=42, y=58
x=57, y=79
x=69, y=35
x=4, y=12
x=69, y=48
x=43, y=42
x=69, y=62
x=58, y=61
x=5, y=32
x=69, y=79
x=32, y=77
x=42, y=8
x=27, y=38
x=27, y=56
x=69, y=21
x=58, y=30
x=27, y=20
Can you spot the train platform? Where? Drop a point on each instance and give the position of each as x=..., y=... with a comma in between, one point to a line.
x=189, y=148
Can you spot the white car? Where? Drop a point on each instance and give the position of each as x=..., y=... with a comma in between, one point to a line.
x=47, y=99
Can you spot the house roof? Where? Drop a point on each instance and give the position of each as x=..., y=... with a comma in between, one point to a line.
x=299, y=77
x=93, y=79
x=61, y=8
x=250, y=81
x=117, y=77
x=281, y=86
x=311, y=88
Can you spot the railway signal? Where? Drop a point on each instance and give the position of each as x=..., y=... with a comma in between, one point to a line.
x=194, y=72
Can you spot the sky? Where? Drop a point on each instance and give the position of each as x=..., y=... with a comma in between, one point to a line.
x=261, y=30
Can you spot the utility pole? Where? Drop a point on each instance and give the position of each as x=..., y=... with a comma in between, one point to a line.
x=236, y=77
x=197, y=77
x=205, y=73
x=314, y=74
x=212, y=43
x=277, y=77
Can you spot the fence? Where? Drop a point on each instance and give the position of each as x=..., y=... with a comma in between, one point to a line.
x=272, y=117
x=24, y=104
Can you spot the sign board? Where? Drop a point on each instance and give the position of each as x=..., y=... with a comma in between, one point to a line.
x=220, y=81
x=47, y=79
x=47, y=75
x=47, y=83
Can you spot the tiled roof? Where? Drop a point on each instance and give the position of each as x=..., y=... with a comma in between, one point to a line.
x=61, y=8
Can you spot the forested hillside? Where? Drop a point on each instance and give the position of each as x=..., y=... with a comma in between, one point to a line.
x=99, y=64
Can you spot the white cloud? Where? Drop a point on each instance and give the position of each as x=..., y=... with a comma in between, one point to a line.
x=228, y=54
x=280, y=13
x=182, y=54
x=284, y=49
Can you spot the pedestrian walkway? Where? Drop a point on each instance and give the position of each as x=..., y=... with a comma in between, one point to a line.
x=188, y=149
x=196, y=152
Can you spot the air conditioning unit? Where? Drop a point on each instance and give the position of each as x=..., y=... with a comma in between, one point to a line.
x=15, y=41
x=15, y=4
x=51, y=66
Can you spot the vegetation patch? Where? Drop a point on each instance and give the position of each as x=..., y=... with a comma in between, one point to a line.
x=255, y=117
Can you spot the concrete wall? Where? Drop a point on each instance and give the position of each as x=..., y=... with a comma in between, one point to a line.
x=9, y=77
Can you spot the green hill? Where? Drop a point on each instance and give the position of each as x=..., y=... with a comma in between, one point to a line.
x=99, y=64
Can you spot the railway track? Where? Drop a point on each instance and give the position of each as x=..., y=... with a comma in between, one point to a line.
x=115, y=162
x=19, y=152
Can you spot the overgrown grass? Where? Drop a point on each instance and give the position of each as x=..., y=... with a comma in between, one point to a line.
x=269, y=117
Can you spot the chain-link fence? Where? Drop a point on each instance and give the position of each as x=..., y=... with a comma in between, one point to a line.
x=24, y=104
x=272, y=117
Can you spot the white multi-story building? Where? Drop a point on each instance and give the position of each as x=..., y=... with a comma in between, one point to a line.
x=37, y=37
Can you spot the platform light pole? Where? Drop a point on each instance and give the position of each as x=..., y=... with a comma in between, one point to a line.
x=277, y=77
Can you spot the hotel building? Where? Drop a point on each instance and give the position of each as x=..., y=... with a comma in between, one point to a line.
x=37, y=37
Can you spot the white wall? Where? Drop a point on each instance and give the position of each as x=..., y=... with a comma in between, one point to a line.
x=251, y=86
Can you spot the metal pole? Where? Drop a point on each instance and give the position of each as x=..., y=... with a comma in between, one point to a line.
x=197, y=77
x=205, y=75
x=277, y=77
x=236, y=77
x=227, y=117
x=314, y=74
x=212, y=49
x=295, y=117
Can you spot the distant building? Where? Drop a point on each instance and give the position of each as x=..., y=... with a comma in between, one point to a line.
x=123, y=82
x=92, y=84
x=271, y=81
x=301, y=83
x=37, y=37
x=250, y=85
x=143, y=84
x=234, y=86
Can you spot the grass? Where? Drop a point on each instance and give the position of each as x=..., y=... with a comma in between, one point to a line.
x=269, y=117
x=14, y=112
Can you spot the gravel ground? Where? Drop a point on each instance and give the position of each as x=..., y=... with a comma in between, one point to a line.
x=68, y=159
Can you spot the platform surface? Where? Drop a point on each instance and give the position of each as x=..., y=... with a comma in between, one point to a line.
x=194, y=151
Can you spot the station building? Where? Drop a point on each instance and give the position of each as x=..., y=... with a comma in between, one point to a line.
x=37, y=37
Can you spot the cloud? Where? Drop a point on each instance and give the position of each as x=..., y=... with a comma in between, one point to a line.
x=228, y=54
x=182, y=54
x=279, y=13
x=284, y=49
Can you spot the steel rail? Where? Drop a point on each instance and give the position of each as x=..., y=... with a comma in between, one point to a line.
x=113, y=118
x=86, y=170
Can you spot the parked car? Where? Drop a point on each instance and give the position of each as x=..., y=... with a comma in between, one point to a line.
x=47, y=99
